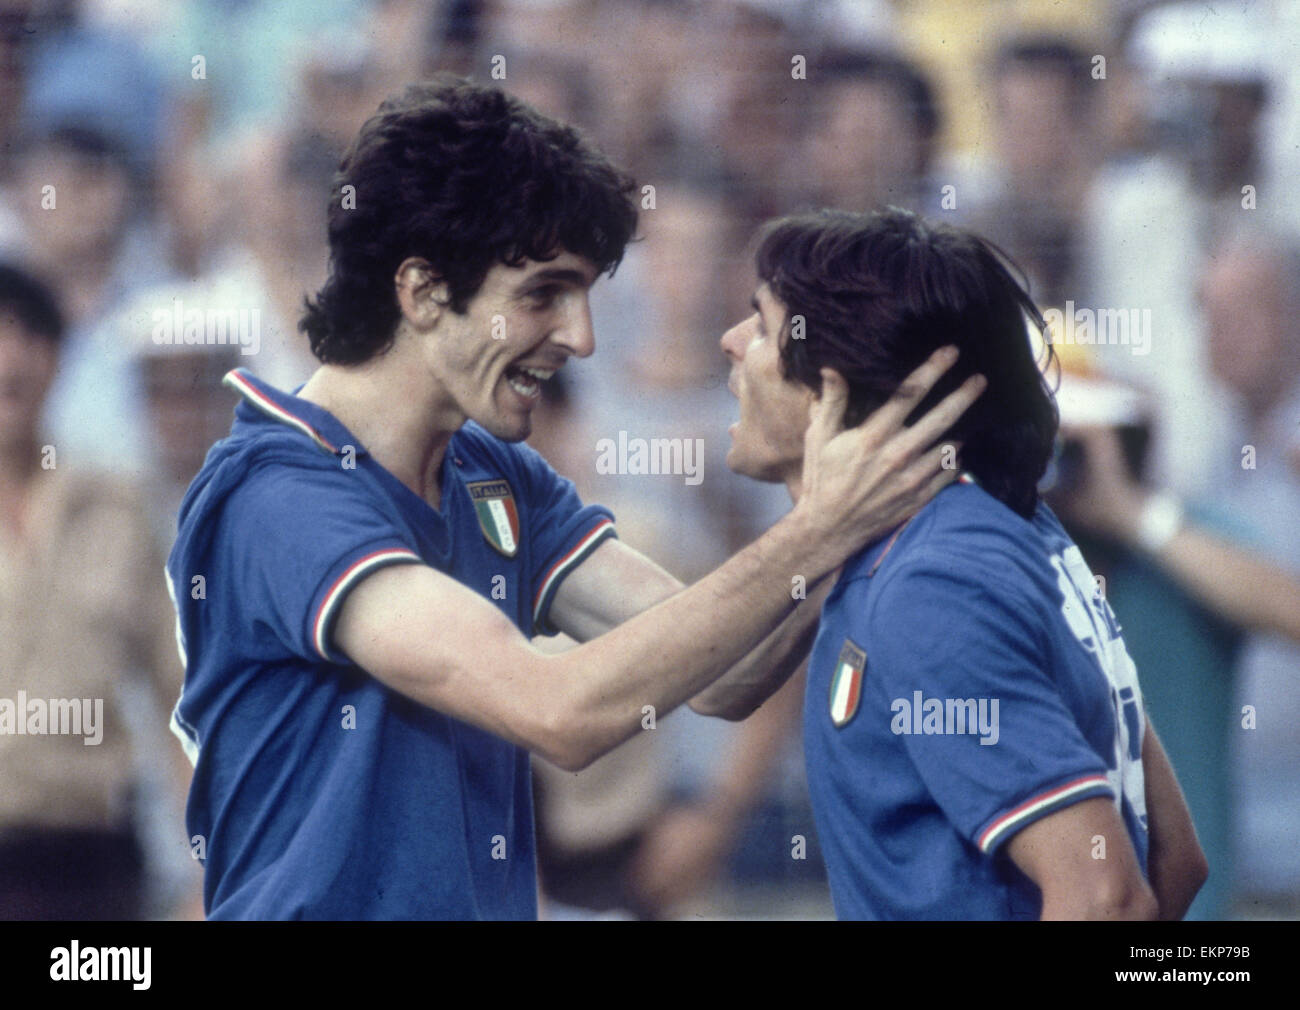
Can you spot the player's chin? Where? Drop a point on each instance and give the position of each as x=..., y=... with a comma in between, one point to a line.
x=508, y=428
x=509, y=419
x=752, y=462
x=741, y=462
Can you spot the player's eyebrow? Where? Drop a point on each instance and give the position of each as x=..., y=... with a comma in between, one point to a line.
x=558, y=275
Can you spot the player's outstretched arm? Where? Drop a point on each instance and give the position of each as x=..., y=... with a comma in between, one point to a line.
x=616, y=582
x=1176, y=864
x=445, y=646
x=746, y=686
x=1059, y=854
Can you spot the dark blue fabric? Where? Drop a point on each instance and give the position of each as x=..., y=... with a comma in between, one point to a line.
x=970, y=602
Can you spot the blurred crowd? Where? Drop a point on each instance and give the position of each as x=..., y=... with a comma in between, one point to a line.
x=164, y=172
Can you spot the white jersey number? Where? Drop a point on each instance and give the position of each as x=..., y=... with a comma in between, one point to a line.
x=1093, y=623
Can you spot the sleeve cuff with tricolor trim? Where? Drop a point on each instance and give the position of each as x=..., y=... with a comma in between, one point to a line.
x=578, y=552
x=1003, y=825
x=342, y=580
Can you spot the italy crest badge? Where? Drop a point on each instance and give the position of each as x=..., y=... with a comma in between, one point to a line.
x=498, y=517
x=846, y=683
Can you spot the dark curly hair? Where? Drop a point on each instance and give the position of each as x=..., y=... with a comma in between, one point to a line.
x=879, y=293
x=466, y=177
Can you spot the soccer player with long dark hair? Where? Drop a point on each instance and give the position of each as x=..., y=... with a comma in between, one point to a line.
x=973, y=726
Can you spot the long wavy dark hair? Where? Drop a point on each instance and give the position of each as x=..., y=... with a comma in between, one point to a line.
x=878, y=293
x=467, y=177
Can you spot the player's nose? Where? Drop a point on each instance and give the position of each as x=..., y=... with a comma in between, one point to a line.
x=733, y=342
x=576, y=332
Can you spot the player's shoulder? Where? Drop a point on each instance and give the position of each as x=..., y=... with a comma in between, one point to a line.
x=966, y=568
x=963, y=542
x=272, y=455
x=963, y=529
x=967, y=519
x=261, y=467
x=278, y=431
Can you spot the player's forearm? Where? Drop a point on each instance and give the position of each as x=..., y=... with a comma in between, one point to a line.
x=573, y=707
x=1234, y=583
x=1058, y=853
x=763, y=670
x=1176, y=865
x=671, y=652
x=1135, y=903
x=618, y=583
x=1176, y=878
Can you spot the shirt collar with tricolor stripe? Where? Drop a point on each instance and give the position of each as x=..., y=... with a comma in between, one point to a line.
x=312, y=420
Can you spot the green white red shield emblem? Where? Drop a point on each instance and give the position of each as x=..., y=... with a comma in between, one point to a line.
x=497, y=515
x=846, y=683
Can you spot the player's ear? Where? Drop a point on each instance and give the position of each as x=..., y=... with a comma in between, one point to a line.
x=421, y=293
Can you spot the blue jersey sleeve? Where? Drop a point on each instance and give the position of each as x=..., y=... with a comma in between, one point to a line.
x=565, y=531
x=954, y=648
x=298, y=539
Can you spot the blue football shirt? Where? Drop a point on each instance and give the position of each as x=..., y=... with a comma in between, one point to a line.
x=319, y=792
x=967, y=679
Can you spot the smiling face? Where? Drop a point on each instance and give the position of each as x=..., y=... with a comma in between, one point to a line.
x=767, y=441
x=518, y=330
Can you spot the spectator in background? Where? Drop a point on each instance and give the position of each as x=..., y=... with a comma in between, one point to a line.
x=874, y=142
x=14, y=55
x=186, y=408
x=730, y=104
x=639, y=60
x=273, y=249
x=254, y=224
x=555, y=85
x=235, y=71
x=232, y=67
x=1045, y=130
x=81, y=193
x=763, y=106
x=1203, y=77
x=1251, y=294
x=82, y=613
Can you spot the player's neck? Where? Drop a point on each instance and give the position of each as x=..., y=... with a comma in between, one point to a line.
x=404, y=429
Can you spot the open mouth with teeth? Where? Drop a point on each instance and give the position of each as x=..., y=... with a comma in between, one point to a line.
x=527, y=382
